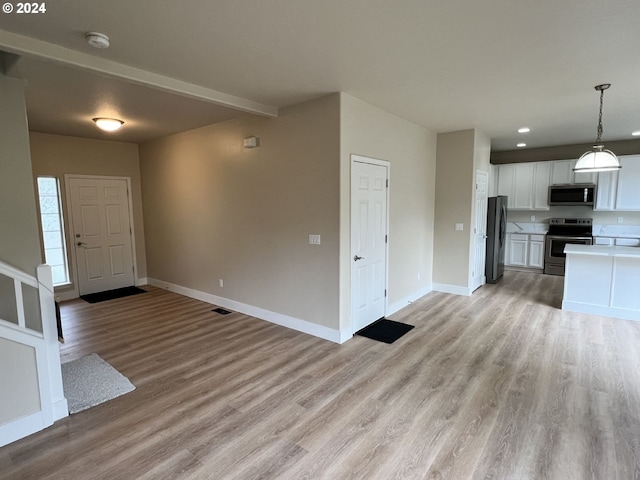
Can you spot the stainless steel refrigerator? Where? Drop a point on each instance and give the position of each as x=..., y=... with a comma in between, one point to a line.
x=496, y=237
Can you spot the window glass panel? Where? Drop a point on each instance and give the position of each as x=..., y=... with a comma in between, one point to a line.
x=52, y=229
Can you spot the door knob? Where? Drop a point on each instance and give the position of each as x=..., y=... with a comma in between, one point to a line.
x=80, y=244
x=356, y=258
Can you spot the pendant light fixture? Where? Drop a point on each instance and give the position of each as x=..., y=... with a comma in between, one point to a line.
x=598, y=159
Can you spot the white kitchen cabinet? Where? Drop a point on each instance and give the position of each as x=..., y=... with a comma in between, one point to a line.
x=540, y=200
x=562, y=172
x=606, y=191
x=525, y=250
x=525, y=184
x=536, y=251
x=523, y=194
x=620, y=190
x=603, y=241
x=517, y=250
x=617, y=242
x=628, y=185
x=627, y=242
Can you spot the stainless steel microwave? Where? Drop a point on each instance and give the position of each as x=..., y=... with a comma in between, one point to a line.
x=572, y=194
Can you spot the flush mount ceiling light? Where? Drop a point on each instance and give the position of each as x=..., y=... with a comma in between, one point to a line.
x=598, y=159
x=521, y=145
x=97, y=39
x=108, y=124
x=524, y=130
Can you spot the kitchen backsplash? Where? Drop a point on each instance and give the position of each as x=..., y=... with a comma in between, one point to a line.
x=599, y=218
x=599, y=229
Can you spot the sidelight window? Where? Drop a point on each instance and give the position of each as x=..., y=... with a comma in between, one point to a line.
x=52, y=224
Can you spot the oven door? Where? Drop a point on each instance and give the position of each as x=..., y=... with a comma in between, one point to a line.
x=554, y=249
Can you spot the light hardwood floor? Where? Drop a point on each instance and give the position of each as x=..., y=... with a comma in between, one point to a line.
x=500, y=385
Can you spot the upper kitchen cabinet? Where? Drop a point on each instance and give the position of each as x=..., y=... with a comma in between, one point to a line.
x=619, y=190
x=525, y=184
x=628, y=191
x=562, y=172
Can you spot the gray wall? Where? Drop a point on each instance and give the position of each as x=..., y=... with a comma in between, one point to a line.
x=214, y=210
x=57, y=155
x=19, y=246
x=411, y=151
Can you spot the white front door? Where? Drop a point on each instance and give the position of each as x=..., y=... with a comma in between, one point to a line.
x=102, y=233
x=480, y=230
x=368, y=242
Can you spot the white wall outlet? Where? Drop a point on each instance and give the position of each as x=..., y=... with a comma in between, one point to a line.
x=620, y=219
x=221, y=283
x=533, y=218
x=418, y=276
x=314, y=239
x=459, y=226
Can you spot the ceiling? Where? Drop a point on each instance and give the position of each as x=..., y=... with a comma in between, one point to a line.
x=173, y=66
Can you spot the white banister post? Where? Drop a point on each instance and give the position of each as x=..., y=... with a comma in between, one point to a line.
x=50, y=333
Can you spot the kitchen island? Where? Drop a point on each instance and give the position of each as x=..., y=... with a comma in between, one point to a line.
x=602, y=280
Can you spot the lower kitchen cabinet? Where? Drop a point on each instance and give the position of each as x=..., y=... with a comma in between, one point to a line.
x=525, y=250
x=618, y=242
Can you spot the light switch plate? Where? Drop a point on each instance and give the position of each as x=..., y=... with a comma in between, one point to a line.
x=459, y=226
x=314, y=239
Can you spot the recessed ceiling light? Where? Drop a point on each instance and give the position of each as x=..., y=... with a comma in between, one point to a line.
x=108, y=124
x=636, y=133
x=524, y=130
x=521, y=145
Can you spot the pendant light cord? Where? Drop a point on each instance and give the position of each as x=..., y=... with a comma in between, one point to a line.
x=600, y=117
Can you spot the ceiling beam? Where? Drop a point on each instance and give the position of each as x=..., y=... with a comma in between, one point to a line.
x=22, y=45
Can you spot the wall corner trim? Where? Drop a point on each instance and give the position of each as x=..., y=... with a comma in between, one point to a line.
x=454, y=289
x=293, y=323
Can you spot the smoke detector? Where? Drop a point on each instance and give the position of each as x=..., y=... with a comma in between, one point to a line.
x=97, y=40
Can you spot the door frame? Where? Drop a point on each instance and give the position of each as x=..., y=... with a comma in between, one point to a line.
x=381, y=163
x=69, y=230
x=472, y=286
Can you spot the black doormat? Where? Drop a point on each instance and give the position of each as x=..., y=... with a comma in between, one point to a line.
x=384, y=330
x=112, y=294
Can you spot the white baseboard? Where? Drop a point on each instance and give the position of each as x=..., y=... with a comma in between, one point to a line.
x=409, y=299
x=601, y=310
x=454, y=289
x=60, y=409
x=22, y=427
x=142, y=281
x=297, y=324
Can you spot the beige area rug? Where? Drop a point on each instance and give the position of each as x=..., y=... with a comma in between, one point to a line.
x=90, y=381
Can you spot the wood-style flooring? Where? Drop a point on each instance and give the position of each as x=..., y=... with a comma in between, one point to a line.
x=499, y=385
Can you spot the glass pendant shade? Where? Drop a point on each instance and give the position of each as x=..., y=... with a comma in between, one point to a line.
x=597, y=160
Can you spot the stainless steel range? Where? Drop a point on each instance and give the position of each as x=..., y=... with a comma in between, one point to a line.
x=561, y=232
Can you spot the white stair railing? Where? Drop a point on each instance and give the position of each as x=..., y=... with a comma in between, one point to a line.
x=47, y=353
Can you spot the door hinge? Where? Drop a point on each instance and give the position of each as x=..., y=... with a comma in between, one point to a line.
x=386, y=239
x=387, y=183
x=385, y=292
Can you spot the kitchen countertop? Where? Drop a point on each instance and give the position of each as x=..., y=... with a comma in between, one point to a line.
x=602, y=250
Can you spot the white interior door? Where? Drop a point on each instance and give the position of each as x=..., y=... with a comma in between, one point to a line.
x=368, y=242
x=102, y=233
x=478, y=277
